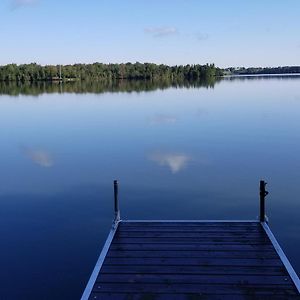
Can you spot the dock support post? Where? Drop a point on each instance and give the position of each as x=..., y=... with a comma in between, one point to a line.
x=117, y=209
x=262, y=193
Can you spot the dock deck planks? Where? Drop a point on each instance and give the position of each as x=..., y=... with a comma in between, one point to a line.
x=161, y=260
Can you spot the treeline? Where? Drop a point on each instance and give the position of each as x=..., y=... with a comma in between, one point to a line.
x=105, y=72
x=14, y=88
x=253, y=71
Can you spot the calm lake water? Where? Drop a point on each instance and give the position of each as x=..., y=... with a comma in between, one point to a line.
x=179, y=152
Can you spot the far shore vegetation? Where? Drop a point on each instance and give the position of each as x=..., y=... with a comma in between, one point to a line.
x=106, y=72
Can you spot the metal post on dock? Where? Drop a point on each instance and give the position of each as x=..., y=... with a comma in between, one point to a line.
x=262, y=194
x=117, y=209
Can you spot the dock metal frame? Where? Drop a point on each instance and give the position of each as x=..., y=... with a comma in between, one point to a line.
x=263, y=220
x=97, y=268
x=282, y=256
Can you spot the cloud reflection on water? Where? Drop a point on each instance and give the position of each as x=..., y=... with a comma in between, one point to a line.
x=38, y=156
x=175, y=161
x=162, y=119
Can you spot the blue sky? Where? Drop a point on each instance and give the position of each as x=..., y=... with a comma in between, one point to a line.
x=227, y=33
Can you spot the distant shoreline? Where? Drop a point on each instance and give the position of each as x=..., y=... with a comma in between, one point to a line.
x=133, y=71
x=281, y=71
x=106, y=72
x=262, y=75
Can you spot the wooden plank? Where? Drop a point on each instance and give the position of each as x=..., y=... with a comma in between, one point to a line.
x=205, y=289
x=191, y=261
x=199, y=279
x=188, y=223
x=182, y=240
x=194, y=240
x=186, y=296
x=171, y=253
x=221, y=270
x=168, y=234
x=192, y=229
x=192, y=246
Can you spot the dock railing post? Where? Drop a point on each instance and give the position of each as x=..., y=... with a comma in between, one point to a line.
x=117, y=209
x=262, y=194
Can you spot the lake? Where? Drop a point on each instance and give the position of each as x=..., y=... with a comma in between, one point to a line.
x=179, y=151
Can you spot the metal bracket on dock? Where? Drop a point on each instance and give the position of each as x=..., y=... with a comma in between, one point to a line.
x=117, y=209
x=262, y=194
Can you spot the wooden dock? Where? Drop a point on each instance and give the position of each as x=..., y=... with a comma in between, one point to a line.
x=145, y=260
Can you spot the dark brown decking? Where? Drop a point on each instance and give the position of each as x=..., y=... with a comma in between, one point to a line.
x=192, y=260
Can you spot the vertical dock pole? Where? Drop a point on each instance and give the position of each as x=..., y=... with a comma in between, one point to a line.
x=262, y=194
x=117, y=209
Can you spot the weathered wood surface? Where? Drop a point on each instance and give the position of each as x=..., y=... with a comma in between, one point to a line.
x=192, y=260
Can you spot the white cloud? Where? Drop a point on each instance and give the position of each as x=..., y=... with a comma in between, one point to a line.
x=162, y=119
x=19, y=3
x=39, y=157
x=202, y=36
x=175, y=161
x=161, y=31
